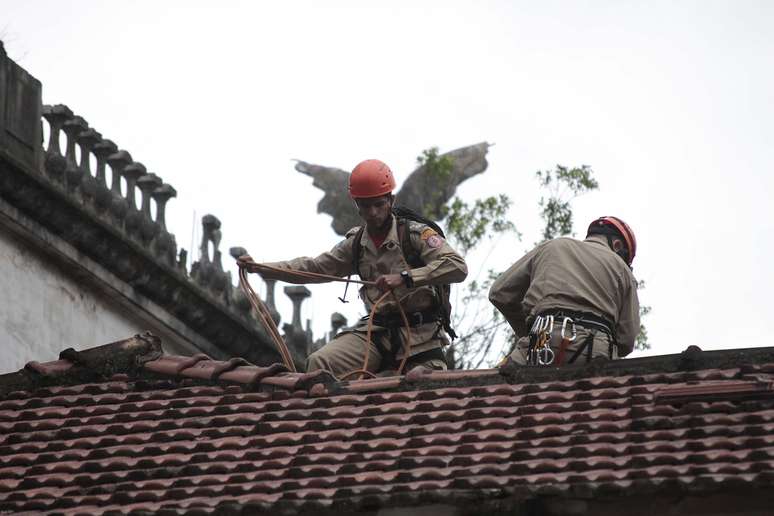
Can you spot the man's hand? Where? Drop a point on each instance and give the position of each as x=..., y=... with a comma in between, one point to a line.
x=388, y=282
x=246, y=261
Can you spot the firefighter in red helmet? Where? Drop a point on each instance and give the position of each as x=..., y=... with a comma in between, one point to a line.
x=571, y=301
x=397, y=253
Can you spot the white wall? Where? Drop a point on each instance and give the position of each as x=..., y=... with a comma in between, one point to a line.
x=44, y=310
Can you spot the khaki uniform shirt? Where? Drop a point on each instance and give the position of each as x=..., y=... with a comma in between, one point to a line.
x=442, y=266
x=579, y=276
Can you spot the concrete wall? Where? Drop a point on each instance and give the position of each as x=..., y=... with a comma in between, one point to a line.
x=53, y=298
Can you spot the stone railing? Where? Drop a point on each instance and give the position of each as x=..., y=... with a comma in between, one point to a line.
x=70, y=171
x=88, y=191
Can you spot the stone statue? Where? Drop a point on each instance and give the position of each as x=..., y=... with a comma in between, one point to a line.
x=419, y=191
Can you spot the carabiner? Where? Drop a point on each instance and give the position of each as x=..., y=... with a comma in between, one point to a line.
x=574, y=330
x=545, y=356
x=548, y=325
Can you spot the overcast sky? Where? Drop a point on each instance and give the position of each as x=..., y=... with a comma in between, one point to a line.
x=671, y=104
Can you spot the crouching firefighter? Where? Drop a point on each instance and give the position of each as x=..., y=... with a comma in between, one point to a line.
x=397, y=250
x=570, y=301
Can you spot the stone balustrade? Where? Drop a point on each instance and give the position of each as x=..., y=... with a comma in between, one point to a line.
x=71, y=171
x=96, y=196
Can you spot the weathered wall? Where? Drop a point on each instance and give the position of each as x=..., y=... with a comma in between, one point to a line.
x=57, y=299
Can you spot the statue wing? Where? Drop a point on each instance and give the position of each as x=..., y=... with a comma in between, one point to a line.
x=428, y=195
x=420, y=191
x=336, y=202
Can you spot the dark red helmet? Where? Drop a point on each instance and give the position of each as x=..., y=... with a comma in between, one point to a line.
x=616, y=227
x=370, y=178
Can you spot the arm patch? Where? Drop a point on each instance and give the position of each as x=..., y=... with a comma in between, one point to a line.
x=427, y=233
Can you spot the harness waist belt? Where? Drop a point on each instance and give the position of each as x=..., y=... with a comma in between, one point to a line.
x=584, y=319
x=414, y=318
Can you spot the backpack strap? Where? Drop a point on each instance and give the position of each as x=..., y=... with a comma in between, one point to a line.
x=357, y=249
x=355, y=260
x=410, y=253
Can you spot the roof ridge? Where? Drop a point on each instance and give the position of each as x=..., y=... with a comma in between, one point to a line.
x=141, y=358
x=99, y=363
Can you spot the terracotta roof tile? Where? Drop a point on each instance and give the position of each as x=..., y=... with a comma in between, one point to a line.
x=188, y=433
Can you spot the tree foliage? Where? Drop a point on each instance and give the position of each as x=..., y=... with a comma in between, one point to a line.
x=468, y=225
x=562, y=185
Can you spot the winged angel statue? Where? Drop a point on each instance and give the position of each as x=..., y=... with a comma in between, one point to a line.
x=420, y=191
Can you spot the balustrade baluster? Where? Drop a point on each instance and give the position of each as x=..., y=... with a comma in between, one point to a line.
x=164, y=245
x=55, y=163
x=72, y=172
x=148, y=183
x=133, y=218
x=86, y=141
x=103, y=150
x=118, y=204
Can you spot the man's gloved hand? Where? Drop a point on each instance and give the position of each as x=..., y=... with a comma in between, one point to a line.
x=246, y=261
x=389, y=281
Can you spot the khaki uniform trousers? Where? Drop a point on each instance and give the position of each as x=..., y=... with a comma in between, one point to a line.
x=346, y=353
x=600, y=345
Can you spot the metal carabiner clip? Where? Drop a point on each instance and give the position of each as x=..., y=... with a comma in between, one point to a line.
x=574, y=330
x=548, y=324
x=545, y=356
x=536, y=325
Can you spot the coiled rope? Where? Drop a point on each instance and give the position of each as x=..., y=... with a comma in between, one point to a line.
x=265, y=316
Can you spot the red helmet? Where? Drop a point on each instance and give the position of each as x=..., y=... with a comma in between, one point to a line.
x=370, y=178
x=616, y=227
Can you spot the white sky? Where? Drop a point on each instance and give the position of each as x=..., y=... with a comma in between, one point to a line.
x=671, y=103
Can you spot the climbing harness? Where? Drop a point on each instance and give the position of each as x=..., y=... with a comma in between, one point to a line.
x=540, y=336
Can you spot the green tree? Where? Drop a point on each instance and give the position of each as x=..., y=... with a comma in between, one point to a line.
x=562, y=186
x=477, y=322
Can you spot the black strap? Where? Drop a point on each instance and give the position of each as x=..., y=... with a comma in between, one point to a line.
x=389, y=356
x=357, y=249
x=531, y=351
x=584, y=319
x=588, y=345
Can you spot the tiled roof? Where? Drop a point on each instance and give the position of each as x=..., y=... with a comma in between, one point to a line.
x=122, y=428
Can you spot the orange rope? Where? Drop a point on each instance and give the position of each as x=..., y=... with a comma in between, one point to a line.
x=364, y=370
x=268, y=322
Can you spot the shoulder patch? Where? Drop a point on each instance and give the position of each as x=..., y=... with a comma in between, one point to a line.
x=428, y=232
x=435, y=241
x=352, y=232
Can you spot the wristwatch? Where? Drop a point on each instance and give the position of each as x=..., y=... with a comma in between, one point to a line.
x=407, y=279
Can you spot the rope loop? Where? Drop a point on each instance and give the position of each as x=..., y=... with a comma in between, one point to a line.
x=265, y=317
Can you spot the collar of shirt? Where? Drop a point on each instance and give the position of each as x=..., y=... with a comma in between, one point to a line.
x=392, y=236
x=593, y=240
